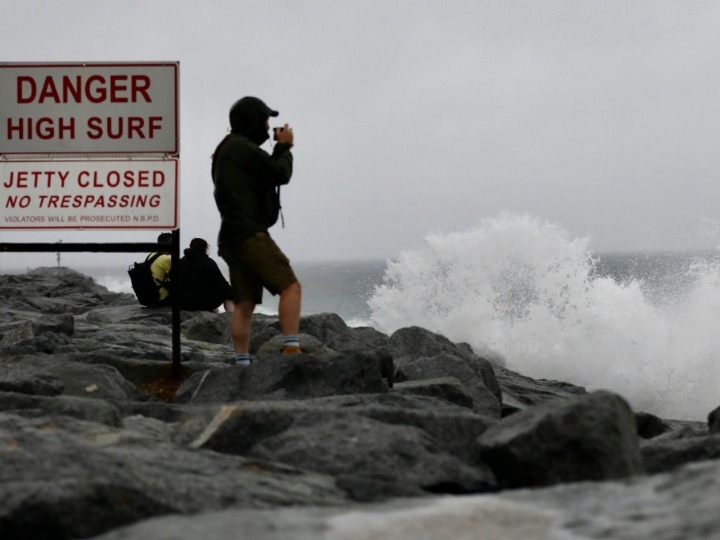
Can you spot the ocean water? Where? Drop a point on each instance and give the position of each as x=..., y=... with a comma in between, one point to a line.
x=643, y=325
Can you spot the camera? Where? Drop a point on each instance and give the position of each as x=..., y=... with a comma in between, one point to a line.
x=276, y=130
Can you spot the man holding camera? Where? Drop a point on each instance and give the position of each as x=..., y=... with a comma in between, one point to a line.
x=247, y=192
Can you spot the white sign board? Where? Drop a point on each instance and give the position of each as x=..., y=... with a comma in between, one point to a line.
x=89, y=194
x=89, y=109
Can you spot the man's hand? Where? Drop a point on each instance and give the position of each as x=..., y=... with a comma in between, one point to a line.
x=284, y=135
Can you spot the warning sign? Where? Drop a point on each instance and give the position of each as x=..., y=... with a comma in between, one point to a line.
x=89, y=194
x=89, y=108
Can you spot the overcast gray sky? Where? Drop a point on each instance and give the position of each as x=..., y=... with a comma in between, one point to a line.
x=422, y=116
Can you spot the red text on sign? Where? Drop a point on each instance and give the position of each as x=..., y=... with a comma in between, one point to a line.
x=36, y=179
x=129, y=127
x=77, y=89
x=43, y=128
x=122, y=127
x=128, y=179
x=99, y=201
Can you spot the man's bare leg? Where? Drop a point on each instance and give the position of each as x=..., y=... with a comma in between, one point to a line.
x=240, y=324
x=289, y=313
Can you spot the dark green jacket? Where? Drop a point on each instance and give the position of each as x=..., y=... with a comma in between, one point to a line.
x=247, y=186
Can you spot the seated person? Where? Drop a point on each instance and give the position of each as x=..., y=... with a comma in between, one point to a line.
x=160, y=269
x=202, y=284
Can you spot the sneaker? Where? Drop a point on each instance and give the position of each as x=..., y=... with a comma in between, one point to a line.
x=290, y=350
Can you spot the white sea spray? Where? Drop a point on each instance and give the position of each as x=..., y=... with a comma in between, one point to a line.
x=529, y=291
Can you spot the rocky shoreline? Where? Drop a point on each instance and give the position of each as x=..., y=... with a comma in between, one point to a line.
x=364, y=436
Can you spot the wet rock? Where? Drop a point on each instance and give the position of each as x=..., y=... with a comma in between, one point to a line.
x=420, y=354
x=665, y=454
x=373, y=450
x=520, y=392
x=714, y=421
x=649, y=425
x=15, y=377
x=448, y=389
x=64, y=478
x=589, y=437
x=89, y=444
x=273, y=376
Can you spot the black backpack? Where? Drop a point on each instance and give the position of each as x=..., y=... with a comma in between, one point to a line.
x=143, y=283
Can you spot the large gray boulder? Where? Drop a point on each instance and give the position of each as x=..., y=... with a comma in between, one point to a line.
x=374, y=451
x=328, y=328
x=15, y=377
x=589, y=437
x=520, y=392
x=714, y=421
x=48, y=375
x=302, y=376
x=667, y=453
x=464, y=370
x=419, y=354
x=64, y=478
x=448, y=389
x=92, y=410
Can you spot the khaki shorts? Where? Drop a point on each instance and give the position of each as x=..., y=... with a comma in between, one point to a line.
x=255, y=263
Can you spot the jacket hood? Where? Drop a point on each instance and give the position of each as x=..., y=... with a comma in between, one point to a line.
x=191, y=253
x=248, y=116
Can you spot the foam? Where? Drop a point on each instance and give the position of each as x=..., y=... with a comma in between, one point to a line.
x=529, y=291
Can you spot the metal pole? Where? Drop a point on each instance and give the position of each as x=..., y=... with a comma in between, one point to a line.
x=120, y=247
x=175, y=301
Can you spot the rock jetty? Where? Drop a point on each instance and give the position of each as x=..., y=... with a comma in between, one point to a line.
x=365, y=435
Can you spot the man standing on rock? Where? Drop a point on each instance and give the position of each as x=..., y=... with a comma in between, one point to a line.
x=247, y=192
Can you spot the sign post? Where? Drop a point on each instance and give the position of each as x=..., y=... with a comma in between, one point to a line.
x=87, y=146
